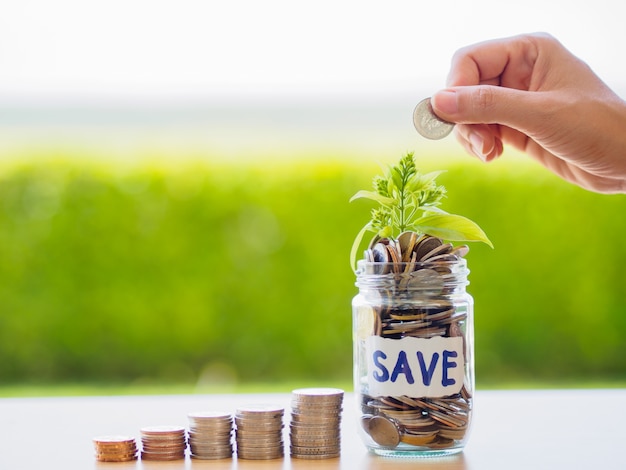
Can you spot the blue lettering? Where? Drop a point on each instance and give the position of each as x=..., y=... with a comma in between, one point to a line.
x=383, y=376
x=427, y=374
x=445, y=381
x=402, y=367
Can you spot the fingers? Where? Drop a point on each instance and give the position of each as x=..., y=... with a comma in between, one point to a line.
x=475, y=97
x=505, y=62
x=489, y=82
x=484, y=104
x=480, y=140
x=532, y=93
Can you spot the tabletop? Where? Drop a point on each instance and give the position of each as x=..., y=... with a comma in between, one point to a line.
x=548, y=429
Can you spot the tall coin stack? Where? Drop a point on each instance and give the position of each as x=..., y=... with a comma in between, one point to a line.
x=210, y=435
x=163, y=443
x=115, y=448
x=315, y=428
x=259, y=432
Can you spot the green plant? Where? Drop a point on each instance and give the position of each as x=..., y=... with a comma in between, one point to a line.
x=409, y=200
x=196, y=273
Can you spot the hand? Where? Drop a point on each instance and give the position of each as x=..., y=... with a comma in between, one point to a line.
x=533, y=94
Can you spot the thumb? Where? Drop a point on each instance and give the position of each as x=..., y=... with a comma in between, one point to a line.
x=485, y=104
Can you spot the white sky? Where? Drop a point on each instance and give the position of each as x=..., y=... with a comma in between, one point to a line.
x=163, y=50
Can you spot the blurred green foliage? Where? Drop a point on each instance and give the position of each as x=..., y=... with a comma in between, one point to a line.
x=206, y=270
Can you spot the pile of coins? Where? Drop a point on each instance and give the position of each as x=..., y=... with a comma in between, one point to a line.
x=115, y=448
x=315, y=423
x=409, y=252
x=435, y=423
x=210, y=435
x=424, y=264
x=415, y=263
x=259, y=432
x=163, y=443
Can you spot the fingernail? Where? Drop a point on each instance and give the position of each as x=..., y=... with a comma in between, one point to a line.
x=445, y=102
x=477, y=143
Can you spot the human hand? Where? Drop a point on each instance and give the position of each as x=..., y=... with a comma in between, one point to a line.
x=531, y=93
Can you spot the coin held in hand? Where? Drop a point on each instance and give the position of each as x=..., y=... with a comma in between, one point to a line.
x=428, y=124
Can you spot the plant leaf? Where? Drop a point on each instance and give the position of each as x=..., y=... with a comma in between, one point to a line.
x=408, y=200
x=430, y=177
x=363, y=194
x=396, y=177
x=433, y=209
x=423, y=181
x=357, y=243
x=452, y=227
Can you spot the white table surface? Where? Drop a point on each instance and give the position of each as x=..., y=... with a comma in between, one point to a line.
x=555, y=429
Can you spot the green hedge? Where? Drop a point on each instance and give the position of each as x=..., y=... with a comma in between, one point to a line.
x=205, y=270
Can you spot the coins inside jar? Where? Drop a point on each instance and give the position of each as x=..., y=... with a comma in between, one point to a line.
x=412, y=297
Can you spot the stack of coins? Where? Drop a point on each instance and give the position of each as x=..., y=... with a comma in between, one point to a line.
x=163, y=443
x=210, y=435
x=315, y=428
x=259, y=432
x=115, y=448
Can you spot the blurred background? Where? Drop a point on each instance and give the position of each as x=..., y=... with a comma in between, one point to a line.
x=174, y=186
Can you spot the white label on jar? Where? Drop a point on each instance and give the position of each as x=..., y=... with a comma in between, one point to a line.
x=415, y=367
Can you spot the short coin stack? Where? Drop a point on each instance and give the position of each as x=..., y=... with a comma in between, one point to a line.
x=259, y=432
x=210, y=435
x=163, y=443
x=315, y=428
x=115, y=448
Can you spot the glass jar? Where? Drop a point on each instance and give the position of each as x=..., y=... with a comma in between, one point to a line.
x=413, y=357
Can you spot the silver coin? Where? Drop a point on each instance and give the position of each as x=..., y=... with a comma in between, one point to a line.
x=317, y=395
x=321, y=418
x=260, y=454
x=333, y=455
x=210, y=438
x=225, y=455
x=206, y=448
x=209, y=415
x=260, y=411
x=204, y=433
x=383, y=431
x=426, y=245
x=460, y=251
x=406, y=243
x=317, y=441
x=428, y=124
x=299, y=450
